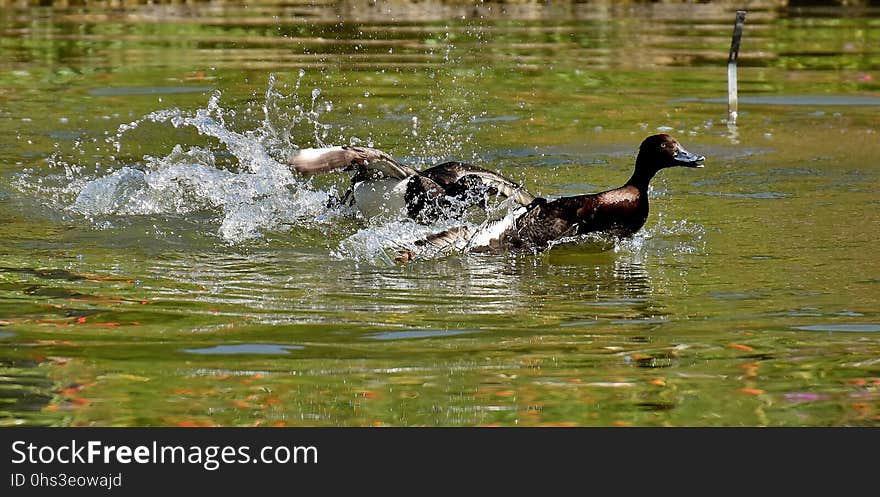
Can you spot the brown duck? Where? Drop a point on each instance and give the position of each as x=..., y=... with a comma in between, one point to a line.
x=618, y=212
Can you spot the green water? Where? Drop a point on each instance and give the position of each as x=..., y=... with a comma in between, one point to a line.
x=158, y=266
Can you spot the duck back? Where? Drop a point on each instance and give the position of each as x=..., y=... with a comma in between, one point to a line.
x=620, y=212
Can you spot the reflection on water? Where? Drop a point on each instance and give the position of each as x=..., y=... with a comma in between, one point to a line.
x=147, y=90
x=246, y=348
x=402, y=335
x=24, y=389
x=161, y=266
x=858, y=328
x=810, y=100
x=404, y=34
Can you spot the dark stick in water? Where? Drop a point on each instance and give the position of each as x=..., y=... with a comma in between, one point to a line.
x=731, y=66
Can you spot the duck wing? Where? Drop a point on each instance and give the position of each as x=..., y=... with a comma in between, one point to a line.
x=329, y=159
x=491, y=236
x=445, y=242
x=533, y=227
x=458, y=178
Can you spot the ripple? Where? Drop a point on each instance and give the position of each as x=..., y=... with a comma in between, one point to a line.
x=758, y=195
x=403, y=335
x=655, y=406
x=869, y=327
x=246, y=348
x=800, y=397
x=587, y=322
x=733, y=295
x=477, y=120
x=6, y=334
x=639, y=321
x=848, y=314
x=148, y=90
x=814, y=100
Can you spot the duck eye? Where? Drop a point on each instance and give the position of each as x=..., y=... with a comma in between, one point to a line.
x=662, y=145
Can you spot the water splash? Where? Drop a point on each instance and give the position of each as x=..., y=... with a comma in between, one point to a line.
x=247, y=148
x=240, y=185
x=376, y=243
x=235, y=178
x=445, y=129
x=239, y=180
x=677, y=237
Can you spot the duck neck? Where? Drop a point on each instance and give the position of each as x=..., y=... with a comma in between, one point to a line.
x=642, y=175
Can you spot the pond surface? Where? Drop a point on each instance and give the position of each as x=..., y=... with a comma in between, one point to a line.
x=159, y=264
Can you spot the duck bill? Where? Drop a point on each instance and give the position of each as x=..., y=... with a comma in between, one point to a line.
x=687, y=159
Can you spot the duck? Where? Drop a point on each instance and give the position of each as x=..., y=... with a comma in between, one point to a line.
x=620, y=212
x=381, y=186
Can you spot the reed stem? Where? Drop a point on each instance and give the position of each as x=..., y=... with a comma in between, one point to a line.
x=731, y=67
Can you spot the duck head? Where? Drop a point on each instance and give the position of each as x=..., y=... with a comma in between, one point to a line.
x=663, y=151
x=659, y=152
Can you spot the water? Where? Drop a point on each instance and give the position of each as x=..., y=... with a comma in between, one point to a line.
x=161, y=266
